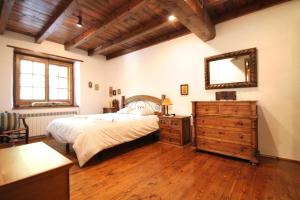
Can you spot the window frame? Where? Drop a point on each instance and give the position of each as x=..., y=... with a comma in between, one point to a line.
x=19, y=103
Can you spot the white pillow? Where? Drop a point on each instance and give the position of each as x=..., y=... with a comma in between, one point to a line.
x=124, y=110
x=142, y=111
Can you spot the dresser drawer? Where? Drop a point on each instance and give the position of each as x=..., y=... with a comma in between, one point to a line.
x=224, y=122
x=235, y=136
x=207, y=109
x=242, y=151
x=235, y=109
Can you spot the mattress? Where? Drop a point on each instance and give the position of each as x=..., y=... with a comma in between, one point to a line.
x=91, y=134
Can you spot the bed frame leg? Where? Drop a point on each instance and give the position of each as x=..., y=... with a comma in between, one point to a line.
x=68, y=148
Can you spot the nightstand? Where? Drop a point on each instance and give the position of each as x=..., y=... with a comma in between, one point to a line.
x=110, y=110
x=175, y=129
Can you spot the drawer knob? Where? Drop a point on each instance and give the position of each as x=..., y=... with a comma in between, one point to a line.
x=206, y=109
x=242, y=149
x=221, y=133
x=240, y=123
x=242, y=137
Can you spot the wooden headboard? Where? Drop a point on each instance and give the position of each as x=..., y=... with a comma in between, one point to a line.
x=136, y=98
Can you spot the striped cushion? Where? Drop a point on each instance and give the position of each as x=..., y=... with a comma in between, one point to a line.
x=9, y=121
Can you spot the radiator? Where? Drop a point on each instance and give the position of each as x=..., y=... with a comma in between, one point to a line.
x=38, y=122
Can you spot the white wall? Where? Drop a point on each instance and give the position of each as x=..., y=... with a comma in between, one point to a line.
x=92, y=69
x=276, y=34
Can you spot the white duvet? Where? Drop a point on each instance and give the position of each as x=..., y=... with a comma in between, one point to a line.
x=90, y=134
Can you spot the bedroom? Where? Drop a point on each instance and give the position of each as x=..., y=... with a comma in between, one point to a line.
x=170, y=171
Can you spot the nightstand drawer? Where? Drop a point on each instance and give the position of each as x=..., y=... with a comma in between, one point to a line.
x=164, y=122
x=176, y=124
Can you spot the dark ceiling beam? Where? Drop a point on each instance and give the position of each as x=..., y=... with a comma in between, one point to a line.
x=56, y=21
x=6, y=7
x=248, y=8
x=138, y=33
x=114, y=18
x=191, y=14
x=157, y=40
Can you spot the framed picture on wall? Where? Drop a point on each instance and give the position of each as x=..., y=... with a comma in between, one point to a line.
x=114, y=92
x=184, y=89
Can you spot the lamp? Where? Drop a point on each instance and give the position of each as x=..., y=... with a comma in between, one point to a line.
x=79, y=22
x=167, y=102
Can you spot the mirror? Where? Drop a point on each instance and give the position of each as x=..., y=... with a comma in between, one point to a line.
x=231, y=70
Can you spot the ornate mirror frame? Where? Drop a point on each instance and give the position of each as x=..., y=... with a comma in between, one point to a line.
x=253, y=72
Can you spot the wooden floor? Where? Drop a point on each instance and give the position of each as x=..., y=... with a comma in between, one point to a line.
x=161, y=171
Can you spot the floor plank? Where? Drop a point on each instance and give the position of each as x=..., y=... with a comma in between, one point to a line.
x=155, y=170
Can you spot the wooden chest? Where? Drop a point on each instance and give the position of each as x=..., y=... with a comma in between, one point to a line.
x=226, y=127
x=175, y=130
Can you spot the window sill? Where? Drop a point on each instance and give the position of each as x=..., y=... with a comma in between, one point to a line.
x=43, y=107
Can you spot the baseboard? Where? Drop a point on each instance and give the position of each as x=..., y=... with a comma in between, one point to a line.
x=279, y=158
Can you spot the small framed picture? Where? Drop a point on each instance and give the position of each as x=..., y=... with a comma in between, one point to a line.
x=114, y=92
x=110, y=91
x=90, y=84
x=119, y=91
x=96, y=87
x=184, y=89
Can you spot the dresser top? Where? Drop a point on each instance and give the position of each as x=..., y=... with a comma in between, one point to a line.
x=228, y=101
x=21, y=162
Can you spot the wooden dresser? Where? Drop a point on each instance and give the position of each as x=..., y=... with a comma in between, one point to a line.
x=226, y=127
x=175, y=129
x=34, y=171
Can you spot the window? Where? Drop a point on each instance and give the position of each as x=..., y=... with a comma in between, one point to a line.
x=40, y=81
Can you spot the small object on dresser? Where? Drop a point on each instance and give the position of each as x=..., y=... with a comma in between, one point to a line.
x=226, y=95
x=114, y=92
x=119, y=91
x=110, y=110
x=175, y=129
x=96, y=87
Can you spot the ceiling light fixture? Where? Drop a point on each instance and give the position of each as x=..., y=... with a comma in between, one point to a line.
x=79, y=22
x=171, y=18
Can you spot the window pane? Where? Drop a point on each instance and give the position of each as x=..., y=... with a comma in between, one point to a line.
x=39, y=68
x=63, y=83
x=63, y=94
x=38, y=81
x=26, y=67
x=63, y=72
x=38, y=93
x=26, y=80
x=53, y=70
x=26, y=93
x=53, y=94
x=53, y=82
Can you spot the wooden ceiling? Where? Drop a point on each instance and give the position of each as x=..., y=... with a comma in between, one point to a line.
x=116, y=27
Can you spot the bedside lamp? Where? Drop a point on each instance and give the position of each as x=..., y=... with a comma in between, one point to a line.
x=167, y=102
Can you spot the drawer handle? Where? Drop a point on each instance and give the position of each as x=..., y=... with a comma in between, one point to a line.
x=221, y=133
x=242, y=149
x=242, y=137
x=206, y=109
x=240, y=123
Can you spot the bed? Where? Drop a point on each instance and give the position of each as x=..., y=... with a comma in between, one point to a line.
x=90, y=134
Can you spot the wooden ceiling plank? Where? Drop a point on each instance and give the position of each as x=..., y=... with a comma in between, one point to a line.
x=191, y=15
x=56, y=21
x=163, y=38
x=140, y=32
x=6, y=8
x=114, y=17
